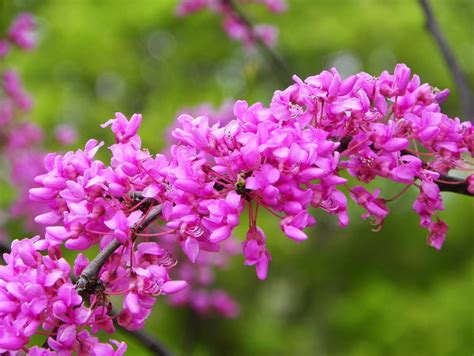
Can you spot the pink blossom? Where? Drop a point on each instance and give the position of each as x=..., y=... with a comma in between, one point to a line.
x=122, y=128
x=437, y=234
x=14, y=89
x=256, y=253
x=234, y=25
x=376, y=207
x=286, y=158
x=23, y=32
x=4, y=48
x=65, y=134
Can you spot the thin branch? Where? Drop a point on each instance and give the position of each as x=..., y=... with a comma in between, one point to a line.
x=446, y=183
x=456, y=185
x=146, y=340
x=4, y=247
x=281, y=68
x=459, y=77
x=88, y=282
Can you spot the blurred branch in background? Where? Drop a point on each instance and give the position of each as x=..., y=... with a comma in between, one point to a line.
x=4, y=247
x=147, y=341
x=281, y=68
x=459, y=77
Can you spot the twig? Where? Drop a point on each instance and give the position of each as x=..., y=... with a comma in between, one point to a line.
x=459, y=77
x=4, y=247
x=88, y=282
x=455, y=185
x=281, y=68
x=146, y=340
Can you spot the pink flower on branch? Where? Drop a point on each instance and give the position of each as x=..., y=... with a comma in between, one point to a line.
x=144, y=211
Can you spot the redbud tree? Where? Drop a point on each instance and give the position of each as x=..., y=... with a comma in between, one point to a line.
x=159, y=221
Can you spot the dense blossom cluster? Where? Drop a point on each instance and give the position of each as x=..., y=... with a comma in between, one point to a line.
x=201, y=295
x=293, y=156
x=36, y=292
x=236, y=27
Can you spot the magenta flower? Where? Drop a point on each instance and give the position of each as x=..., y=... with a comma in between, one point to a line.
x=235, y=27
x=256, y=253
x=122, y=224
x=285, y=159
x=437, y=234
x=14, y=89
x=4, y=48
x=123, y=129
x=22, y=32
x=376, y=207
x=65, y=134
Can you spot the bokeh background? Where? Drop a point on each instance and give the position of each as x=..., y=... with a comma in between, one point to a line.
x=342, y=292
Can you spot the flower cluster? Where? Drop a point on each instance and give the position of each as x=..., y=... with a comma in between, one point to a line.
x=22, y=33
x=38, y=296
x=286, y=159
x=234, y=24
x=145, y=211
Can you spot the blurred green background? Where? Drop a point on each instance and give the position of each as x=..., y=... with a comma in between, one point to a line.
x=342, y=292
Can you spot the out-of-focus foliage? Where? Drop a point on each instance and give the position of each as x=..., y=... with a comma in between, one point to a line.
x=348, y=292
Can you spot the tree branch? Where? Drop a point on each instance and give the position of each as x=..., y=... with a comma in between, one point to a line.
x=88, y=282
x=459, y=77
x=446, y=183
x=455, y=185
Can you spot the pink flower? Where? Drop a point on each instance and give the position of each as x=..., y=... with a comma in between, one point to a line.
x=285, y=159
x=108, y=350
x=470, y=183
x=122, y=224
x=123, y=129
x=428, y=202
x=275, y=5
x=256, y=253
x=65, y=134
x=23, y=32
x=233, y=25
x=375, y=206
x=14, y=89
x=437, y=234
x=224, y=304
x=4, y=49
